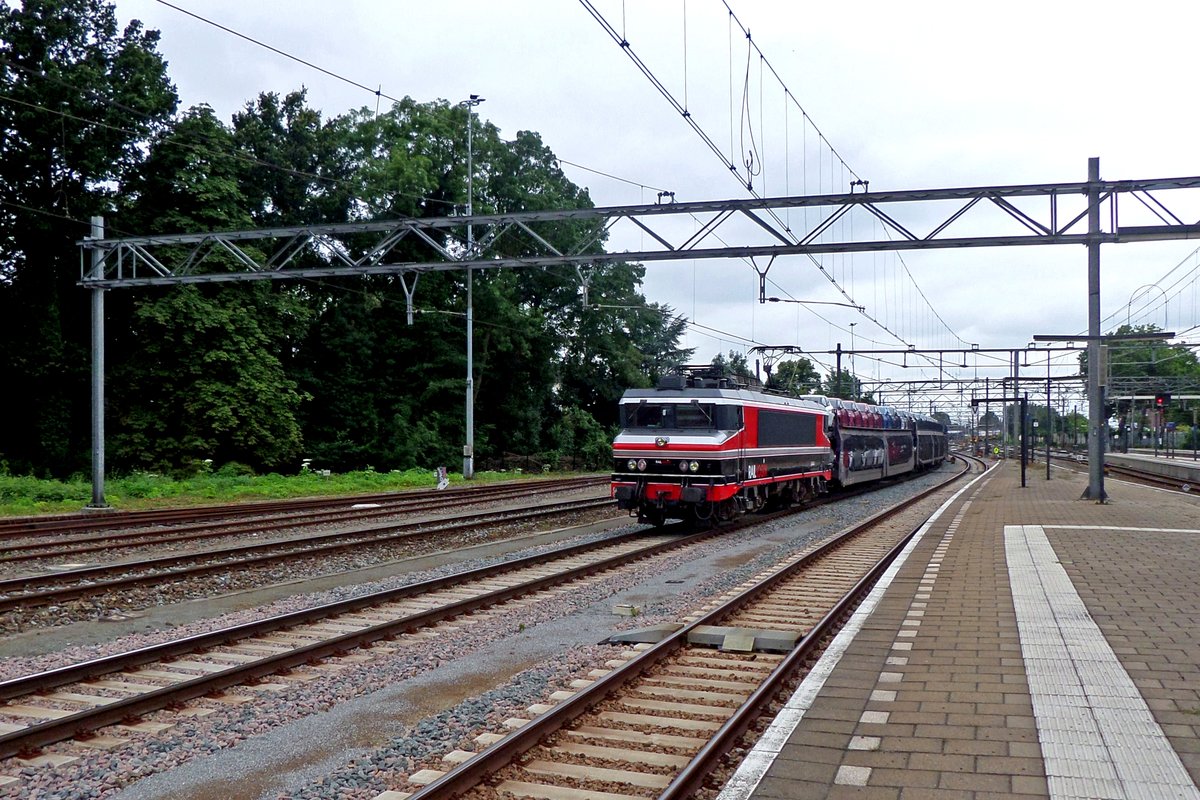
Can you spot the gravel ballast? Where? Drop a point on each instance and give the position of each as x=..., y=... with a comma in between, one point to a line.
x=355, y=732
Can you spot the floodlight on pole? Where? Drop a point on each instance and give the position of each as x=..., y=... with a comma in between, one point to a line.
x=852, y=324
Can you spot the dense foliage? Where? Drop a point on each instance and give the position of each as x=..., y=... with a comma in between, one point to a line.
x=1138, y=370
x=268, y=373
x=797, y=376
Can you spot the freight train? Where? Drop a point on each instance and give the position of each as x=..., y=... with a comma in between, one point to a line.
x=705, y=449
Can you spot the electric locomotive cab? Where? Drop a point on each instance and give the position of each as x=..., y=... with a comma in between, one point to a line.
x=668, y=453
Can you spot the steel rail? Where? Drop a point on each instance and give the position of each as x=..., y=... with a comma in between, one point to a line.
x=57, y=730
x=408, y=531
x=52, y=524
x=18, y=552
x=1150, y=478
x=474, y=771
x=690, y=779
x=1165, y=481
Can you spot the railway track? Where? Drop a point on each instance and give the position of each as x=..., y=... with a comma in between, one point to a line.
x=31, y=591
x=667, y=713
x=84, y=700
x=77, y=700
x=34, y=538
x=38, y=549
x=1136, y=475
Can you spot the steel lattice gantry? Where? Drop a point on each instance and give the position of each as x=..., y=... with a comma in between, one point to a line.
x=1088, y=213
x=289, y=252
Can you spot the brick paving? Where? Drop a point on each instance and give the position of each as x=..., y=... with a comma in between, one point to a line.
x=931, y=698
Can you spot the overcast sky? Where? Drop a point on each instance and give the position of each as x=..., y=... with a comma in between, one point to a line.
x=911, y=95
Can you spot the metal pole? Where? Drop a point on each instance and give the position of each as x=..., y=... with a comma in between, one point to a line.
x=469, y=448
x=1020, y=426
x=1049, y=422
x=1024, y=412
x=97, y=232
x=852, y=324
x=838, y=369
x=987, y=408
x=1097, y=425
x=1157, y=425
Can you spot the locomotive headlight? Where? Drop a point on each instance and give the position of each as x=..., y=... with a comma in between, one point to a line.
x=641, y=464
x=694, y=466
x=632, y=465
x=683, y=466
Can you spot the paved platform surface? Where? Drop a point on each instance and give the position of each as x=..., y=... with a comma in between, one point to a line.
x=1031, y=644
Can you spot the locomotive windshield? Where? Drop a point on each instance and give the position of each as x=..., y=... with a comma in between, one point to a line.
x=681, y=416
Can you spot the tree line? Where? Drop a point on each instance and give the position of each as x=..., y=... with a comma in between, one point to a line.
x=266, y=374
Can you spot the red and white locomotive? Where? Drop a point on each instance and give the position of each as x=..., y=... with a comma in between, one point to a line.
x=705, y=449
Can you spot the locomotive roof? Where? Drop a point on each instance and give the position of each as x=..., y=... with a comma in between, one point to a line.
x=740, y=395
x=744, y=395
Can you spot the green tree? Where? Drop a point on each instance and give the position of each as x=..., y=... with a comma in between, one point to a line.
x=842, y=384
x=289, y=170
x=796, y=377
x=581, y=442
x=198, y=374
x=539, y=351
x=384, y=393
x=733, y=366
x=77, y=99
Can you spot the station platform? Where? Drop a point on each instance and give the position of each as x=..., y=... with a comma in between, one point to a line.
x=1027, y=644
x=1174, y=464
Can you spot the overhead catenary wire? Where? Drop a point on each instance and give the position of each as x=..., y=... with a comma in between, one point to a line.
x=611, y=176
x=833, y=153
x=256, y=161
x=837, y=162
x=276, y=50
x=1175, y=289
x=378, y=93
x=752, y=48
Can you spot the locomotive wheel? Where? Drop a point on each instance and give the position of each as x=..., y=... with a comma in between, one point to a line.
x=787, y=497
x=653, y=516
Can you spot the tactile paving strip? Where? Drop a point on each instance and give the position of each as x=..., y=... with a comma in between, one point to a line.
x=1097, y=734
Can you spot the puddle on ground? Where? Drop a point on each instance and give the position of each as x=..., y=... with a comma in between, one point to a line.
x=372, y=727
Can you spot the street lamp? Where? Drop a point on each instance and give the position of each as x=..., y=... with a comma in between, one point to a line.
x=469, y=447
x=852, y=324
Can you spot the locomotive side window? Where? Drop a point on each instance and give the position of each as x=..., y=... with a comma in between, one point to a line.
x=729, y=418
x=786, y=428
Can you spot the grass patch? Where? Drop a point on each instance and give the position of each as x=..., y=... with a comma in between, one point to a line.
x=23, y=496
